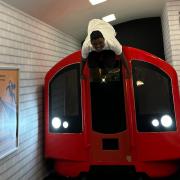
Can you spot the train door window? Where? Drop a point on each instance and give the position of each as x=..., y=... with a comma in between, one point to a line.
x=107, y=104
x=65, y=102
x=153, y=98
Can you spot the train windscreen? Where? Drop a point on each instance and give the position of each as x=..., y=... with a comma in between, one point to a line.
x=65, y=101
x=153, y=98
x=107, y=103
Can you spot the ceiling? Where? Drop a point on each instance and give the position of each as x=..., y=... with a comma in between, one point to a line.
x=72, y=16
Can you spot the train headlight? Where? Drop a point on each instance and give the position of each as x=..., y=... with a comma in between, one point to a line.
x=166, y=121
x=155, y=122
x=65, y=124
x=56, y=122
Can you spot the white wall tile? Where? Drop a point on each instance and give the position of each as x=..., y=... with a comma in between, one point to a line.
x=34, y=47
x=171, y=33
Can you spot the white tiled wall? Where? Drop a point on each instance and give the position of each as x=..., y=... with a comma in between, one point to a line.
x=34, y=47
x=171, y=33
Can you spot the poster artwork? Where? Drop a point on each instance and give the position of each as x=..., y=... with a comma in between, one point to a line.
x=8, y=111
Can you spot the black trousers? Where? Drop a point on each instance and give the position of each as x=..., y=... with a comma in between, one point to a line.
x=103, y=59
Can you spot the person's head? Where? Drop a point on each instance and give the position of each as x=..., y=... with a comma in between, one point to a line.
x=97, y=40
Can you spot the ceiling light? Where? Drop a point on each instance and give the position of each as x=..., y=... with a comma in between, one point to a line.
x=94, y=2
x=109, y=18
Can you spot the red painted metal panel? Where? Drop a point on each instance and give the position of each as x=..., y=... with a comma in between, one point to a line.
x=63, y=146
x=155, y=153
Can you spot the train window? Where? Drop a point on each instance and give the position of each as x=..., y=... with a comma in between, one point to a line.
x=153, y=98
x=65, y=102
x=107, y=104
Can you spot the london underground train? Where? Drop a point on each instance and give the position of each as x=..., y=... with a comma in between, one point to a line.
x=115, y=121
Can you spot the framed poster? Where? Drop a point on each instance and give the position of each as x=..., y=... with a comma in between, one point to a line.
x=9, y=87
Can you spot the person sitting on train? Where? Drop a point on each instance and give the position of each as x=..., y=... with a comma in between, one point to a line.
x=100, y=48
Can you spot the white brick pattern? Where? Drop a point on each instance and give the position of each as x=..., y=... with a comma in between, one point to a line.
x=34, y=47
x=171, y=33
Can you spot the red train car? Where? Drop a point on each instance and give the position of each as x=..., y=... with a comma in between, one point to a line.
x=114, y=122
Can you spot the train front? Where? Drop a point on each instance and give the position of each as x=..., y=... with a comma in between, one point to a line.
x=113, y=121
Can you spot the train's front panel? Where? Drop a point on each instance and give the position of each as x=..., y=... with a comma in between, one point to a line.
x=156, y=109
x=154, y=94
x=109, y=135
x=64, y=134
x=111, y=120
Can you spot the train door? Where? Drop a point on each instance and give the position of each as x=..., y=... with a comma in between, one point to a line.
x=64, y=130
x=109, y=137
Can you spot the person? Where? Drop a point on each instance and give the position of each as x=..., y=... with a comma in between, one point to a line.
x=100, y=48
